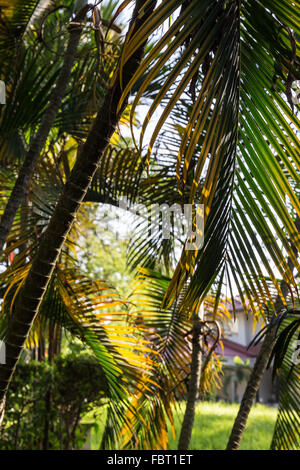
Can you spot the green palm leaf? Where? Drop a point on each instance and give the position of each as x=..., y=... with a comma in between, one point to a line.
x=15, y=16
x=168, y=330
x=285, y=363
x=238, y=74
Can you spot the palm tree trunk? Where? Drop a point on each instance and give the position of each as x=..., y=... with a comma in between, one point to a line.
x=17, y=195
x=2, y=409
x=31, y=296
x=251, y=391
x=193, y=389
x=258, y=370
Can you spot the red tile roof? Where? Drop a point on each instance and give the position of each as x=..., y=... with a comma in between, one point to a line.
x=232, y=349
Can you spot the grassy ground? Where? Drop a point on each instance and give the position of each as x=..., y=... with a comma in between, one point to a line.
x=214, y=421
x=212, y=426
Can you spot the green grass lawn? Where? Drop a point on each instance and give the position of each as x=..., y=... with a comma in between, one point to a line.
x=212, y=426
x=214, y=421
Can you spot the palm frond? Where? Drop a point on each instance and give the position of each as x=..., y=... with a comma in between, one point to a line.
x=169, y=330
x=238, y=80
x=93, y=312
x=14, y=18
x=285, y=362
x=118, y=176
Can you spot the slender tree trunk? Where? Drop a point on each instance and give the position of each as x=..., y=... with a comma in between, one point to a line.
x=251, y=391
x=18, y=193
x=2, y=409
x=31, y=296
x=193, y=389
x=258, y=370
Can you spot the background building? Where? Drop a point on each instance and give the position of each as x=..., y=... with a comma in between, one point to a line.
x=239, y=359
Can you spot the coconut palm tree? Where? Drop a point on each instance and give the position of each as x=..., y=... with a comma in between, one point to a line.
x=75, y=22
x=240, y=105
x=235, y=151
x=260, y=365
x=38, y=141
x=64, y=213
x=284, y=359
x=286, y=365
x=88, y=309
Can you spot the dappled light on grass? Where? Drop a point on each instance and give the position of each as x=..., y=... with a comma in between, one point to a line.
x=213, y=423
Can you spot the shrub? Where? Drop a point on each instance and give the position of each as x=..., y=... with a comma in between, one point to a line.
x=45, y=403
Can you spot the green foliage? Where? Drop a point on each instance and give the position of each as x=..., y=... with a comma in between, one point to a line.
x=284, y=360
x=45, y=403
x=222, y=74
x=15, y=16
x=213, y=423
x=233, y=148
